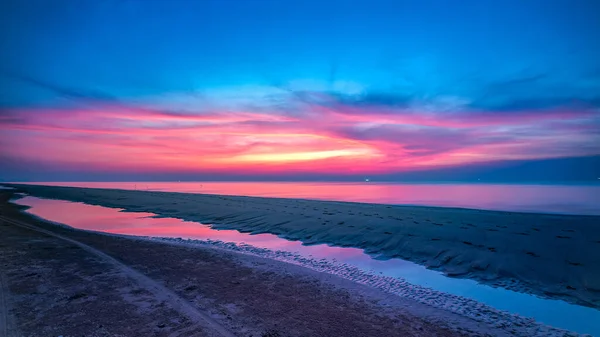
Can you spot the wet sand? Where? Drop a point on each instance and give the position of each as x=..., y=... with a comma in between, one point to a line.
x=554, y=256
x=60, y=281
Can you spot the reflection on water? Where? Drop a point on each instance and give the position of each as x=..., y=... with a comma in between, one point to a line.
x=570, y=199
x=97, y=218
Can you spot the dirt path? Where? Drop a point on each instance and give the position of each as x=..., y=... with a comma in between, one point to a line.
x=160, y=292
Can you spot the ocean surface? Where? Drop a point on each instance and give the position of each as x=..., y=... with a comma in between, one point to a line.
x=97, y=218
x=565, y=199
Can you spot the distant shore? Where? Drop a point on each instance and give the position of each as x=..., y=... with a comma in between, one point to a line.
x=554, y=256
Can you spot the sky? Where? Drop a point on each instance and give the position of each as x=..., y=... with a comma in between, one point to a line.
x=299, y=90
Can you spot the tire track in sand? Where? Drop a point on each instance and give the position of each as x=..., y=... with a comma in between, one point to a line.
x=159, y=291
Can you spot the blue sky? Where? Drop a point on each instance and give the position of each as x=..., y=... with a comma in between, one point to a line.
x=131, y=47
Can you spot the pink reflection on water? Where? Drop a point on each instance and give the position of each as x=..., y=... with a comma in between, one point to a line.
x=112, y=220
x=575, y=199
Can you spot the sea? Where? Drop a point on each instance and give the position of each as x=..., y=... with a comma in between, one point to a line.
x=535, y=198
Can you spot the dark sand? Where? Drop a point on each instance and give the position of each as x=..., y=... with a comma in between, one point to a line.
x=554, y=256
x=61, y=286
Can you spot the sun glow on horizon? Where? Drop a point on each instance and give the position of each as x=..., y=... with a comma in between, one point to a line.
x=298, y=156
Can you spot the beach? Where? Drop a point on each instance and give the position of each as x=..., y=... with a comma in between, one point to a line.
x=60, y=281
x=547, y=255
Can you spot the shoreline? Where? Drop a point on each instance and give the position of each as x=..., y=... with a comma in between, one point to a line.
x=456, y=316
x=492, y=247
x=241, y=294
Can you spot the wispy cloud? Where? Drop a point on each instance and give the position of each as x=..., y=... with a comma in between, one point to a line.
x=324, y=132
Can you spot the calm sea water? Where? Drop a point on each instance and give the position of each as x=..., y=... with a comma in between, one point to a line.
x=568, y=199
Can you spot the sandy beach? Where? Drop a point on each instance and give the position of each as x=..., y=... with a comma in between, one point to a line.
x=61, y=281
x=552, y=256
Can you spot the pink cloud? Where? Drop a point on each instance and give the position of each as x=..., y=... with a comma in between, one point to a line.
x=319, y=139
